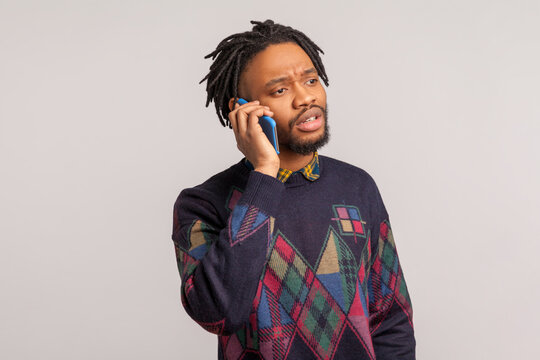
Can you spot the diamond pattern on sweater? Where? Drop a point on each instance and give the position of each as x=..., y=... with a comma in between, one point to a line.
x=337, y=269
x=288, y=277
x=245, y=220
x=308, y=303
x=200, y=237
x=386, y=277
x=321, y=321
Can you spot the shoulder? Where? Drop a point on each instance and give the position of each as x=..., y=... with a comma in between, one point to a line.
x=343, y=170
x=219, y=182
x=213, y=192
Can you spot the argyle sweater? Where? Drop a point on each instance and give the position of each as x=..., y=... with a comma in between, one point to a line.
x=295, y=270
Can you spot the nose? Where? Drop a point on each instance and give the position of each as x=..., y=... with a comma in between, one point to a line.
x=303, y=97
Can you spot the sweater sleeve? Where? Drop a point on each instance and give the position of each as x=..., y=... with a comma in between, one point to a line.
x=390, y=309
x=220, y=266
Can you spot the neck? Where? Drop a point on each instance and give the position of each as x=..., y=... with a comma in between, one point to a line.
x=293, y=161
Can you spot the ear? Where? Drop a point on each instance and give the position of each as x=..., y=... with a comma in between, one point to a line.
x=231, y=104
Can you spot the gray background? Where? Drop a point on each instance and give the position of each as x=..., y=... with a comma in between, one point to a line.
x=103, y=123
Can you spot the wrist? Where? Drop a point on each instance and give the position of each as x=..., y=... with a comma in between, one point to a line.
x=268, y=170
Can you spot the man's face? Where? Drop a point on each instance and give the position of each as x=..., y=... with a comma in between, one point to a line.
x=283, y=78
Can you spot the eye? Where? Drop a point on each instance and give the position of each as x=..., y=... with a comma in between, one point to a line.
x=312, y=81
x=279, y=91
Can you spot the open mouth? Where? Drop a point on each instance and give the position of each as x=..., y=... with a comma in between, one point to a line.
x=311, y=120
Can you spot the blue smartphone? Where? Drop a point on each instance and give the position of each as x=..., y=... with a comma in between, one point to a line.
x=268, y=125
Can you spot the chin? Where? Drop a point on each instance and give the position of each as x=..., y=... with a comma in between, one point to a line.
x=306, y=147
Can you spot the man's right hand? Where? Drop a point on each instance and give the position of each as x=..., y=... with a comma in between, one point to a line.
x=250, y=138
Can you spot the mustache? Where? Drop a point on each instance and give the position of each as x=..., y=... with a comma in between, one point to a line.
x=295, y=119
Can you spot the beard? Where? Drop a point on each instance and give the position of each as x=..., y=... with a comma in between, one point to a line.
x=306, y=147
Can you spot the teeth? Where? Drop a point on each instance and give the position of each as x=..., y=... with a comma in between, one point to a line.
x=310, y=119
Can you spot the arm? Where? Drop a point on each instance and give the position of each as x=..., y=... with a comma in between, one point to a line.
x=390, y=308
x=220, y=266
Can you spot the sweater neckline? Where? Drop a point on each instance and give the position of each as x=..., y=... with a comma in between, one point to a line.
x=296, y=179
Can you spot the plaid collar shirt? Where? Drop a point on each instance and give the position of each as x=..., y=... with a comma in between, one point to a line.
x=310, y=171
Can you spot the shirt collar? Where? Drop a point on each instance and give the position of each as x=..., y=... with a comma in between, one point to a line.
x=310, y=171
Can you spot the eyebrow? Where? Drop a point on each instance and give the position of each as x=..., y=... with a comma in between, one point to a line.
x=283, y=78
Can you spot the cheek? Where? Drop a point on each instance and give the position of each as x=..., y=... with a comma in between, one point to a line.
x=281, y=115
x=282, y=122
x=322, y=95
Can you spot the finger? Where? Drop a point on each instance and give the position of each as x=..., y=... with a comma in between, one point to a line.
x=249, y=108
x=253, y=121
x=232, y=113
x=241, y=120
x=237, y=107
x=254, y=102
x=243, y=114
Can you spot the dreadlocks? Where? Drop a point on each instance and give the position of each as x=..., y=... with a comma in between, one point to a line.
x=234, y=52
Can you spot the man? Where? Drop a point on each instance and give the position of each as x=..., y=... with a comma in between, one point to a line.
x=289, y=256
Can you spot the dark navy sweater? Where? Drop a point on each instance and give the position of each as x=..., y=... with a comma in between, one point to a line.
x=301, y=270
